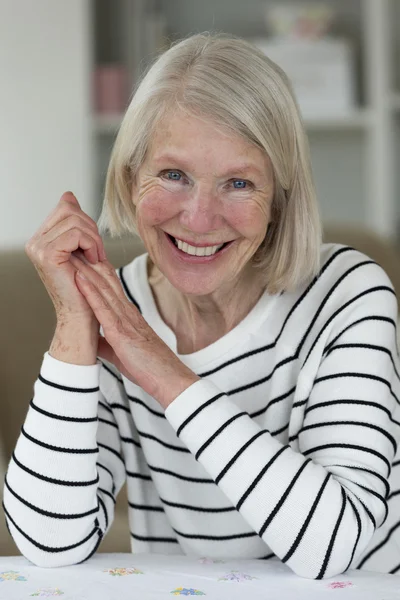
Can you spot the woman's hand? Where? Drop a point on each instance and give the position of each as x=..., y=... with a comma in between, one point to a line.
x=129, y=342
x=66, y=230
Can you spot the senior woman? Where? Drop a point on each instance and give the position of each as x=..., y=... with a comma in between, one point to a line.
x=248, y=383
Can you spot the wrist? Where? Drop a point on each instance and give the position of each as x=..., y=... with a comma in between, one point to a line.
x=76, y=321
x=75, y=342
x=175, y=387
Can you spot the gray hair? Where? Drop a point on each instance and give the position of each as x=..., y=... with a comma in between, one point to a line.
x=227, y=80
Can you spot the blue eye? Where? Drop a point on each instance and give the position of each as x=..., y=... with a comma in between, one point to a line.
x=239, y=184
x=174, y=175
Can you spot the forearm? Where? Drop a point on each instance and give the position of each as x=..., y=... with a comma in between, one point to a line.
x=75, y=342
x=55, y=504
x=294, y=504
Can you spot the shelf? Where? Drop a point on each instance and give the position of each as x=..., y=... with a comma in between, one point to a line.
x=362, y=141
x=359, y=119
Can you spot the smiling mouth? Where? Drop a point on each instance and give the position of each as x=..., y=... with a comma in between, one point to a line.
x=196, y=251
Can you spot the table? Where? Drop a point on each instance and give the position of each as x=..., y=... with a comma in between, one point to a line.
x=158, y=577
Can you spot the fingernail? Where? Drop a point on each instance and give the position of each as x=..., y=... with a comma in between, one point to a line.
x=80, y=274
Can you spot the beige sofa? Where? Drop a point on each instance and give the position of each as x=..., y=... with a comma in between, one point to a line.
x=27, y=324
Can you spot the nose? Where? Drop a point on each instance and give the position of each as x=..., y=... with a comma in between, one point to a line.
x=201, y=211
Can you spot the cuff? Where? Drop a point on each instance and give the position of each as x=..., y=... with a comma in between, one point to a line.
x=190, y=401
x=67, y=374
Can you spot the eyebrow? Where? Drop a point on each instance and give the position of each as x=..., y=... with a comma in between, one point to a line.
x=234, y=170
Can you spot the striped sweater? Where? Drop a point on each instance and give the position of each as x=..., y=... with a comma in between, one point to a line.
x=286, y=445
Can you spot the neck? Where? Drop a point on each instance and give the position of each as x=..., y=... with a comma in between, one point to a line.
x=197, y=321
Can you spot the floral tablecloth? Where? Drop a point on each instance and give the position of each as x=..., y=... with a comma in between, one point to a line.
x=159, y=577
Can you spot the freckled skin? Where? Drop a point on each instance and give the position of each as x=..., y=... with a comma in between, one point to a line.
x=202, y=203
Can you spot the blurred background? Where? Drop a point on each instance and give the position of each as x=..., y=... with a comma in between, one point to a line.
x=67, y=71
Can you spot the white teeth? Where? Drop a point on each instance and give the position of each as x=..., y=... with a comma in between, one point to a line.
x=195, y=250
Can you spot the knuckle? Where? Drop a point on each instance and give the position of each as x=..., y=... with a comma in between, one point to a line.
x=74, y=220
x=67, y=211
x=40, y=255
x=109, y=271
x=74, y=233
x=28, y=248
x=143, y=331
x=37, y=257
x=66, y=199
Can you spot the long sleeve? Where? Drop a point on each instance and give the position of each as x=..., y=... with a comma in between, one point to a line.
x=317, y=500
x=67, y=467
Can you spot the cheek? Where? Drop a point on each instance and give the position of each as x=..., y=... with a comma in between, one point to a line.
x=156, y=207
x=249, y=219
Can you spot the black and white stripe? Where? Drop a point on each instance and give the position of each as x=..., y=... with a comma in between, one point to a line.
x=291, y=436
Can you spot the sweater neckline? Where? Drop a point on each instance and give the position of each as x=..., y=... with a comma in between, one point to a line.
x=235, y=338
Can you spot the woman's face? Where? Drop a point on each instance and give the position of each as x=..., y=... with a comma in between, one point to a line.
x=205, y=187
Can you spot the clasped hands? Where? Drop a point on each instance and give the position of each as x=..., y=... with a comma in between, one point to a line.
x=129, y=342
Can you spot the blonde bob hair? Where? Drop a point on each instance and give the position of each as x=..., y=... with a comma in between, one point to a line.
x=231, y=82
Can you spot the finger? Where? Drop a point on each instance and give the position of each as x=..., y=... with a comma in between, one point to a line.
x=66, y=206
x=76, y=222
x=100, y=274
x=61, y=247
x=70, y=197
x=106, y=312
x=74, y=208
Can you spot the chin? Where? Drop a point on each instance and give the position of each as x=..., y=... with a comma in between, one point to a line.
x=193, y=284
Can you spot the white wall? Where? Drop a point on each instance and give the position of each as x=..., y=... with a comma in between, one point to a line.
x=45, y=145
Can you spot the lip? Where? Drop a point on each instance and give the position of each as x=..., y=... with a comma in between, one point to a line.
x=189, y=258
x=205, y=245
